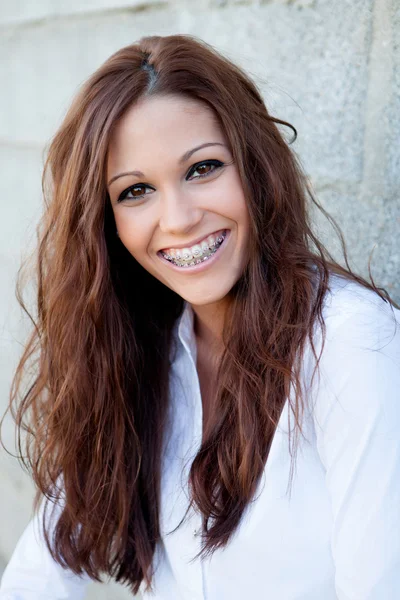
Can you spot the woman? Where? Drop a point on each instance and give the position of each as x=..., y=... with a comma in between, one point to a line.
x=189, y=325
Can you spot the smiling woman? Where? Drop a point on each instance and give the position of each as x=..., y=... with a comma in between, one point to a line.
x=186, y=314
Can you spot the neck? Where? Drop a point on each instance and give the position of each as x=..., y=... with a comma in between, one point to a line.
x=208, y=326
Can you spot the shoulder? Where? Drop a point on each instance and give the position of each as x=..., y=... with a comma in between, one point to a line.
x=359, y=358
x=356, y=314
x=360, y=344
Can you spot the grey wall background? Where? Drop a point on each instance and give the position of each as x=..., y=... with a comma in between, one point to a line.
x=330, y=68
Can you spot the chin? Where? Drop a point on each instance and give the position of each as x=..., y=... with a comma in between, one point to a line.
x=205, y=297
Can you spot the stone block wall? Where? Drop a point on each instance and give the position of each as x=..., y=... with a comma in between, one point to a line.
x=330, y=68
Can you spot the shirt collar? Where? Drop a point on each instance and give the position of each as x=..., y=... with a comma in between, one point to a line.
x=185, y=331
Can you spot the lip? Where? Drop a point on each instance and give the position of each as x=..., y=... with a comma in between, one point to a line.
x=203, y=265
x=193, y=243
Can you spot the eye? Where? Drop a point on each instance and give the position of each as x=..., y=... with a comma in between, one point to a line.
x=133, y=191
x=216, y=164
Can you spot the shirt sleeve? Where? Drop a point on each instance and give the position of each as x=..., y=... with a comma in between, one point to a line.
x=32, y=574
x=357, y=424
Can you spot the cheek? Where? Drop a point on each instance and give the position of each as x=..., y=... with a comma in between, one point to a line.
x=232, y=200
x=134, y=235
x=234, y=206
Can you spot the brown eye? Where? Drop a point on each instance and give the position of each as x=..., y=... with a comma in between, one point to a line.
x=202, y=169
x=205, y=168
x=132, y=192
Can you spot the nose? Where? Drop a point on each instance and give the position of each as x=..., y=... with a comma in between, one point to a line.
x=178, y=212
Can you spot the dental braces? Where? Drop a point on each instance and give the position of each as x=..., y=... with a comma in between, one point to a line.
x=190, y=262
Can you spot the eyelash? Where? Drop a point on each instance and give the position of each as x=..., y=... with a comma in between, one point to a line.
x=216, y=163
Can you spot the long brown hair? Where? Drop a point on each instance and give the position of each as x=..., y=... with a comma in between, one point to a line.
x=94, y=412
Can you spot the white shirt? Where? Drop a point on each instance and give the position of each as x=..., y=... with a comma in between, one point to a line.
x=336, y=537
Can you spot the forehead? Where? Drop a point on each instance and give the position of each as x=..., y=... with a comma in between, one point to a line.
x=156, y=121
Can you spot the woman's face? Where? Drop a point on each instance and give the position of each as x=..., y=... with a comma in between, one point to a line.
x=175, y=191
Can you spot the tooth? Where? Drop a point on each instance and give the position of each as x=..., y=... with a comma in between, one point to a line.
x=209, y=244
x=186, y=253
x=196, y=250
x=211, y=240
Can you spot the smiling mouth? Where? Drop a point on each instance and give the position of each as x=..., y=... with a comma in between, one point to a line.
x=192, y=258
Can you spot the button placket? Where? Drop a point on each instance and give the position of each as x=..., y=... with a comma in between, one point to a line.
x=187, y=539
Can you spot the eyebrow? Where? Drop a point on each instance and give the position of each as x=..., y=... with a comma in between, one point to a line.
x=182, y=160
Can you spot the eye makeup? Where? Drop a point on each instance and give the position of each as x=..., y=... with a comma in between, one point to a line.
x=217, y=164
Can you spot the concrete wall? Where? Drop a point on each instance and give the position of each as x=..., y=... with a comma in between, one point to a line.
x=331, y=68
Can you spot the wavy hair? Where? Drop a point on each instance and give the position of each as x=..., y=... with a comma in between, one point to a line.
x=94, y=411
